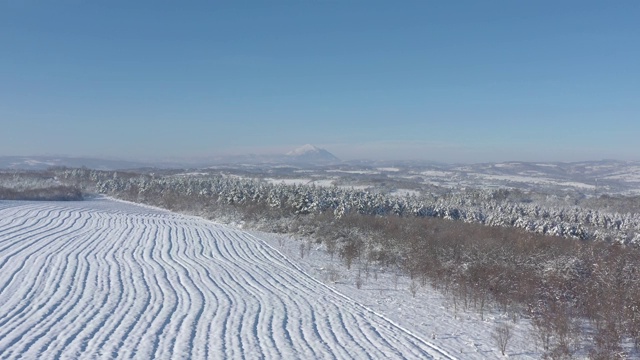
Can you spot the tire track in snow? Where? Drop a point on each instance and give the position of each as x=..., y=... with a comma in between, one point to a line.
x=105, y=279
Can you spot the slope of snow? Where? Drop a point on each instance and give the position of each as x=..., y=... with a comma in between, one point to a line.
x=105, y=279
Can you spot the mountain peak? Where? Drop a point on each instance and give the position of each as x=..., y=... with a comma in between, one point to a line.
x=310, y=153
x=305, y=149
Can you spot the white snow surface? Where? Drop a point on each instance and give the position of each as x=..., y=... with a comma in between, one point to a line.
x=288, y=181
x=405, y=192
x=358, y=172
x=107, y=279
x=534, y=180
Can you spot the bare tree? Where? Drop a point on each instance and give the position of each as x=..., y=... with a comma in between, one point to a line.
x=501, y=335
x=413, y=288
x=359, y=280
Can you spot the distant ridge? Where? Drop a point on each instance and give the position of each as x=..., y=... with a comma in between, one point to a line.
x=311, y=154
x=45, y=162
x=304, y=155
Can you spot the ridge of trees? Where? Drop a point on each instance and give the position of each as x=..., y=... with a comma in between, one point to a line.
x=38, y=186
x=52, y=193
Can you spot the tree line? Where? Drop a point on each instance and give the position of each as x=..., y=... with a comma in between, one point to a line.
x=486, y=207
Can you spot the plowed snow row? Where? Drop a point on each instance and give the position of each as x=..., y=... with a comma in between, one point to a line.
x=110, y=280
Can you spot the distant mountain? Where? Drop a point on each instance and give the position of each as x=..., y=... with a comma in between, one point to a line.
x=305, y=155
x=44, y=162
x=310, y=154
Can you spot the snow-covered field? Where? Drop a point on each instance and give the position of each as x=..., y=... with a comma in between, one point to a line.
x=106, y=279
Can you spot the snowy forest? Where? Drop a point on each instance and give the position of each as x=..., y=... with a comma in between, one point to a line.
x=493, y=207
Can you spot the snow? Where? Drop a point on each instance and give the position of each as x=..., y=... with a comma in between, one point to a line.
x=631, y=174
x=405, y=192
x=289, y=181
x=323, y=182
x=310, y=153
x=354, y=187
x=359, y=172
x=301, y=181
x=534, y=180
x=305, y=149
x=507, y=165
x=36, y=162
x=437, y=173
x=389, y=169
x=192, y=173
x=107, y=279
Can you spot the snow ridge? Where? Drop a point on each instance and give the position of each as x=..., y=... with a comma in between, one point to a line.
x=109, y=279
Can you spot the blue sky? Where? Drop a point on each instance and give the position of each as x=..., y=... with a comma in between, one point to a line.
x=452, y=81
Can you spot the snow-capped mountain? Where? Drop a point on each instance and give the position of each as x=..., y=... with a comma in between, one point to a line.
x=311, y=154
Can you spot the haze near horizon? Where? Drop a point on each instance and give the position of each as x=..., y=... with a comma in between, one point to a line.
x=440, y=81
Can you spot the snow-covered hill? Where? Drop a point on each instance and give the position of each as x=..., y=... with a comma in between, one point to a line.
x=104, y=279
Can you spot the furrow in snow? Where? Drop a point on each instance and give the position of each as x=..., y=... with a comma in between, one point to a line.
x=108, y=279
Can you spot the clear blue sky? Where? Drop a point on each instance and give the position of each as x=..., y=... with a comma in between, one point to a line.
x=455, y=81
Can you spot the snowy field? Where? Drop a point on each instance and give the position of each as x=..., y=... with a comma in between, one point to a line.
x=106, y=279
